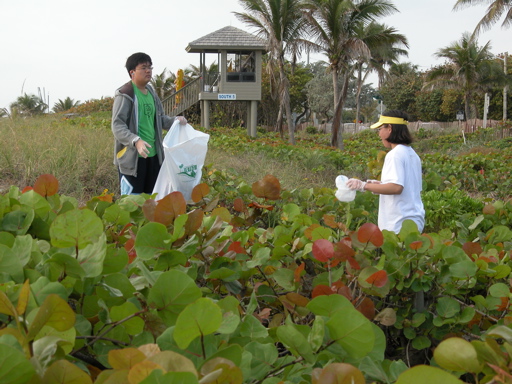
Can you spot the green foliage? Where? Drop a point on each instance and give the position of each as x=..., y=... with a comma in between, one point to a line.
x=249, y=283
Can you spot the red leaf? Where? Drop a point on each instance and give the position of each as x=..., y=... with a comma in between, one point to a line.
x=369, y=232
x=378, y=279
x=46, y=185
x=343, y=251
x=323, y=250
x=322, y=290
x=26, y=189
x=268, y=188
x=367, y=308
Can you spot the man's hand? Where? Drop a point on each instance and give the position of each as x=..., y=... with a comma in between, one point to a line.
x=182, y=120
x=142, y=148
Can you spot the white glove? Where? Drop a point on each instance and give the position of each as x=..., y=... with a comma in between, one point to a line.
x=182, y=120
x=356, y=184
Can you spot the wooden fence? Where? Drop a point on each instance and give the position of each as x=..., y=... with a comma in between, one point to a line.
x=469, y=126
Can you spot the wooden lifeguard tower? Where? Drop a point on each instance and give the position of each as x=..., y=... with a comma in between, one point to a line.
x=239, y=58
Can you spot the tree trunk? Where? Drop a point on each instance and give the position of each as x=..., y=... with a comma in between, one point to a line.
x=285, y=100
x=337, y=123
x=336, y=119
x=279, y=122
x=358, y=93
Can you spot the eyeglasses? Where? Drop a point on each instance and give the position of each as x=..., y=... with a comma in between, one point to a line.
x=144, y=68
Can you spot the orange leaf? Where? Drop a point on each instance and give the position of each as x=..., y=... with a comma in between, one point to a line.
x=297, y=299
x=170, y=207
x=125, y=358
x=378, y=279
x=298, y=271
x=472, y=249
x=238, y=205
x=26, y=189
x=323, y=250
x=330, y=221
x=308, y=232
x=194, y=221
x=268, y=188
x=415, y=245
x=504, y=304
x=236, y=247
x=369, y=232
x=199, y=192
x=142, y=370
x=46, y=185
x=129, y=246
x=261, y=206
x=148, y=208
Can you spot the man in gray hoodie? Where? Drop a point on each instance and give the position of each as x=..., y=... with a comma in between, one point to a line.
x=137, y=122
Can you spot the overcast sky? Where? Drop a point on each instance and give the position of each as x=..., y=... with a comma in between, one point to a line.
x=79, y=48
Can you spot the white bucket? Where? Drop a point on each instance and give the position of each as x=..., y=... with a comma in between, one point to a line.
x=344, y=193
x=215, y=88
x=207, y=88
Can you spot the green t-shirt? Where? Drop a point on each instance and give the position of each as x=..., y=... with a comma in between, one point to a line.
x=146, y=106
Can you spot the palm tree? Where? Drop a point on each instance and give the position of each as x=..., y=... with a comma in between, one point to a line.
x=65, y=105
x=385, y=46
x=163, y=84
x=469, y=68
x=281, y=24
x=495, y=10
x=29, y=105
x=333, y=25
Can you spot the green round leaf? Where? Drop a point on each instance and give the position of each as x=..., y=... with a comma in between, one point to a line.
x=200, y=318
x=77, y=228
x=172, y=292
x=15, y=368
x=499, y=290
x=456, y=354
x=423, y=374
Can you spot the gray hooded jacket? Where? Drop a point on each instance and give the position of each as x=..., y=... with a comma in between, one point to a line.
x=125, y=127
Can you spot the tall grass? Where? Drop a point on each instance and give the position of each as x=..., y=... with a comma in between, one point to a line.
x=78, y=153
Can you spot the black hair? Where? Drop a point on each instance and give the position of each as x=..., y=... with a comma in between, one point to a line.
x=136, y=59
x=399, y=133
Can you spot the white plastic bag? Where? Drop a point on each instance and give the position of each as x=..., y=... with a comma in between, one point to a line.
x=185, y=150
x=344, y=193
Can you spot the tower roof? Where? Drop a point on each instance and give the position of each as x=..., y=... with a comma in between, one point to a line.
x=227, y=38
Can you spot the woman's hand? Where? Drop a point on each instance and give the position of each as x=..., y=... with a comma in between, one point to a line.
x=356, y=184
x=182, y=120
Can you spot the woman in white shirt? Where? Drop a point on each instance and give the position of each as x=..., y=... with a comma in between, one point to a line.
x=401, y=181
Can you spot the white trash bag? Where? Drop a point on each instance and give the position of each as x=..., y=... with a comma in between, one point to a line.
x=185, y=150
x=344, y=193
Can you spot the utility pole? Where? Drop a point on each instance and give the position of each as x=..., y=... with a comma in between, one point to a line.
x=505, y=88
